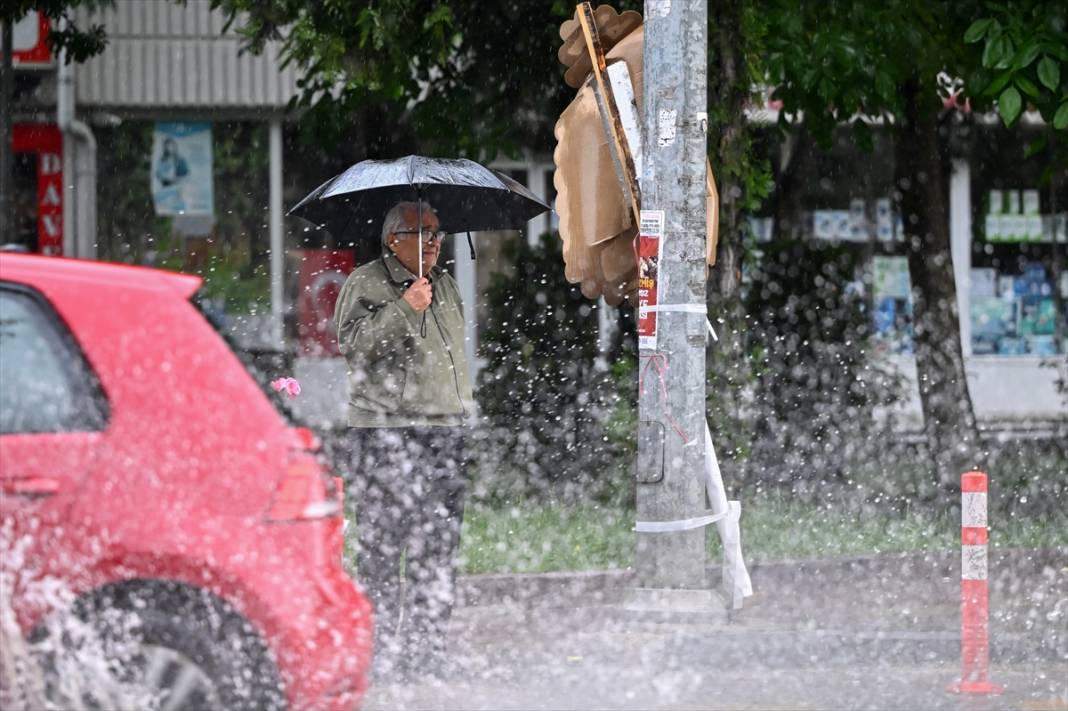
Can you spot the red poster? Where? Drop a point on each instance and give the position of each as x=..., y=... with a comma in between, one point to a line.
x=322, y=274
x=46, y=141
x=650, y=250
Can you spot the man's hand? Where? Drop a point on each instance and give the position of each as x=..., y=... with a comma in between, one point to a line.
x=419, y=294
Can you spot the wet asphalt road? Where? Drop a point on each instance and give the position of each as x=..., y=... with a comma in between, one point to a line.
x=866, y=634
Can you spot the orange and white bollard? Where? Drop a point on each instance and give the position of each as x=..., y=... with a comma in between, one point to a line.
x=974, y=592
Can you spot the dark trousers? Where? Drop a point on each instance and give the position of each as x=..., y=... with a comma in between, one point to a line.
x=408, y=492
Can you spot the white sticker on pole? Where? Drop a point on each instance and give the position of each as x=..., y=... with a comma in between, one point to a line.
x=650, y=252
x=973, y=562
x=665, y=127
x=660, y=8
x=973, y=509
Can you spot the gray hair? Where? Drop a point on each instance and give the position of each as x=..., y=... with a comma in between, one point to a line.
x=395, y=218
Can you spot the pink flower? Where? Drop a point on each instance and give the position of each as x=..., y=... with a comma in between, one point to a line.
x=289, y=385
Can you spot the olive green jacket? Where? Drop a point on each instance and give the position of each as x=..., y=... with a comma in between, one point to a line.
x=399, y=377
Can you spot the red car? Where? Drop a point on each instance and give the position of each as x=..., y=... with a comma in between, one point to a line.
x=143, y=470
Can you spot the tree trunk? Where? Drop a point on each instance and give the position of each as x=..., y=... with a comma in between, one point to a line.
x=7, y=163
x=728, y=90
x=788, y=199
x=729, y=145
x=949, y=419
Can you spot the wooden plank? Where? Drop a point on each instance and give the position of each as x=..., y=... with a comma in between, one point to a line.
x=619, y=138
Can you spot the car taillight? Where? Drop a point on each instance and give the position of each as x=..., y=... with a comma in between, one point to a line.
x=306, y=491
x=307, y=440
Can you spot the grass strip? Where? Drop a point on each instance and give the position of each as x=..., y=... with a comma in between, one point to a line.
x=545, y=537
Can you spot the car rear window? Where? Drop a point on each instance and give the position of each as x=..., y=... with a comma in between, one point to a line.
x=262, y=364
x=48, y=385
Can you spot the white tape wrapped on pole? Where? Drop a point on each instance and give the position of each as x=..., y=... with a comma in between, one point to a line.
x=681, y=308
x=727, y=516
x=736, y=580
x=684, y=524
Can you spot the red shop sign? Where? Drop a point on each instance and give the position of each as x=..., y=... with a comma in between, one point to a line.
x=30, y=40
x=47, y=142
x=321, y=276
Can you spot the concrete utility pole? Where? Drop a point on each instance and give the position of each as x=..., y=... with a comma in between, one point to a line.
x=7, y=178
x=671, y=405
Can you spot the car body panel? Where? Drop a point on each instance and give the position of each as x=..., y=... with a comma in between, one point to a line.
x=178, y=484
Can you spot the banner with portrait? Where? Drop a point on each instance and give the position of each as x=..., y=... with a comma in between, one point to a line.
x=181, y=169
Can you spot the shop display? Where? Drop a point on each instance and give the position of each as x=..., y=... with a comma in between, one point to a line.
x=863, y=220
x=993, y=324
x=891, y=305
x=1016, y=216
x=1014, y=314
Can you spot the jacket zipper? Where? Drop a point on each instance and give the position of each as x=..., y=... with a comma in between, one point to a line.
x=445, y=342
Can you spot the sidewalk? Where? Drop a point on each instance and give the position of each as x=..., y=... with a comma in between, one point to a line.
x=875, y=632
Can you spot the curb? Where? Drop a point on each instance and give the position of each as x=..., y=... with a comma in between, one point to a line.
x=600, y=586
x=845, y=609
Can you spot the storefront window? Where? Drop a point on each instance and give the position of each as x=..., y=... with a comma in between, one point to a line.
x=229, y=247
x=843, y=194
x=1018, y=283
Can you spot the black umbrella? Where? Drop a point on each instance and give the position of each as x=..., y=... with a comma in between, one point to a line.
x=468, y=197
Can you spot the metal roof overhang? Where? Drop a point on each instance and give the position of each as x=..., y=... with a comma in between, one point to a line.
x=164, y=58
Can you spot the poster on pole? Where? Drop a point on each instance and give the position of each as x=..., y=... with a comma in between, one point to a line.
x=650, y=252
x=181, y=168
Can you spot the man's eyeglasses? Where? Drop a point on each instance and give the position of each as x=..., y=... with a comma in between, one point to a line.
x=429, y=237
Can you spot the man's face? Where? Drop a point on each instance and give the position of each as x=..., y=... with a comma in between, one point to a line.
x=406, y=244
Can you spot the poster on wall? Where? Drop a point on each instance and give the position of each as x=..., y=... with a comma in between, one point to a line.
x=181, y=169
x=891, y=305
x=650, y=251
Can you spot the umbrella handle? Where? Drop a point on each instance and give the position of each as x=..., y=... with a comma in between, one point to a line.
x=422, y=327
x=419, y=208
x=471, y=246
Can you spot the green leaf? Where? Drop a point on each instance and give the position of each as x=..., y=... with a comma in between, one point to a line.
x=1009, y=104
x=1026, y=55
x=1026, y=85
x=998, y=84
x=1049, y=73
x=977, y=30
x=884, y=85
x=998, y=53
x=1060, y=119
x=1036, y=146
x=1004, y=54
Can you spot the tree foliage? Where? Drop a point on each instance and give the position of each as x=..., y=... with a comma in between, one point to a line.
x=844, y=62
x=472, y=79
x=80, y=43
x=1020, y=57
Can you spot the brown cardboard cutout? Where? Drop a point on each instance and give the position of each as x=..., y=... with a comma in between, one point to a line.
x=595, y=222
x=611, y=28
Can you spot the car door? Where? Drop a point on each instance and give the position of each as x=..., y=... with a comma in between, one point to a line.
x=52, y=414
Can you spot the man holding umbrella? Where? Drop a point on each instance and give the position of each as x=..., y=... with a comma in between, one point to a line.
x=401, y=328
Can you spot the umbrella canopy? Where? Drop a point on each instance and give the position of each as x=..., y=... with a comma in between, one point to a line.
x=467, y=196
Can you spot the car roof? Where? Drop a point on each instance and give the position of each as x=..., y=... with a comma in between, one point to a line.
x=33, y=267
